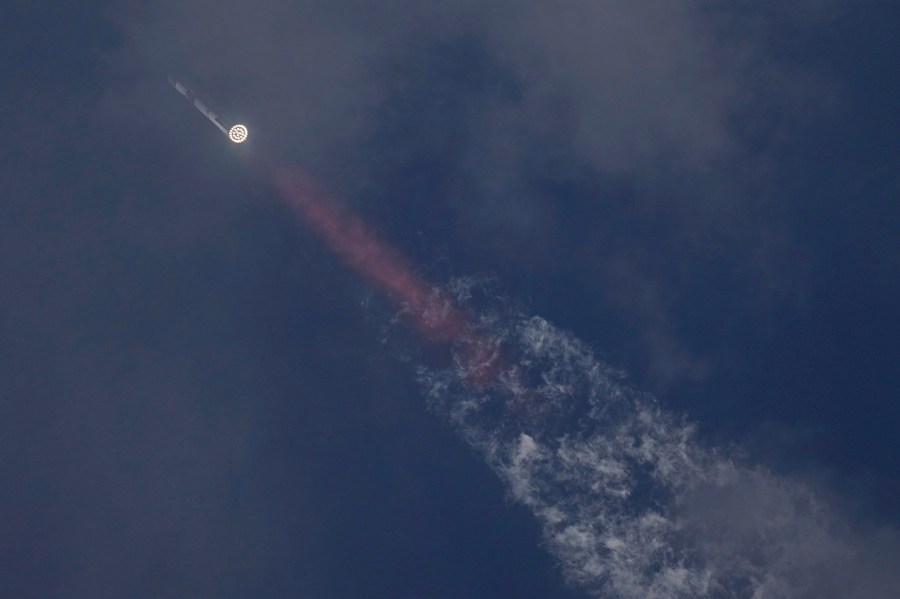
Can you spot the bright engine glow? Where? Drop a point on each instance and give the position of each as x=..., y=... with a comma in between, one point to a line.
x=238, y=133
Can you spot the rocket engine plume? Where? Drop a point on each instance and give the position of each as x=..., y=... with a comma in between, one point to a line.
x=237, y=132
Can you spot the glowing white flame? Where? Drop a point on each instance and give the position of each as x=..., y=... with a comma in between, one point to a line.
x=238, y=134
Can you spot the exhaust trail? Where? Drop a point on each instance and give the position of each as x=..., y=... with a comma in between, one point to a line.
x=631, y=503
x=434, y=315
x=430, y=309
x=432, y=312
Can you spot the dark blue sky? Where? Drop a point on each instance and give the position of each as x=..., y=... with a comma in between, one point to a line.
x=197, y=399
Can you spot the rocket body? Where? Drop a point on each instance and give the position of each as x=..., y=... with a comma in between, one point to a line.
x=198, y=104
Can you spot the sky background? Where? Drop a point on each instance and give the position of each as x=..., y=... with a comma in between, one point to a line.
x=197, y=399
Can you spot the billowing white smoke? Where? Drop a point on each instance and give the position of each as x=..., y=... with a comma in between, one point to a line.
x=631, y=503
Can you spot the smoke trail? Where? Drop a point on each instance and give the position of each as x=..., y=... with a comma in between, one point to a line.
x=631, y=504
x=435, y=316
x=433, y=312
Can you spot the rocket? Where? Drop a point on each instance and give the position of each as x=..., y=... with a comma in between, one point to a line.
x=237, y=133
